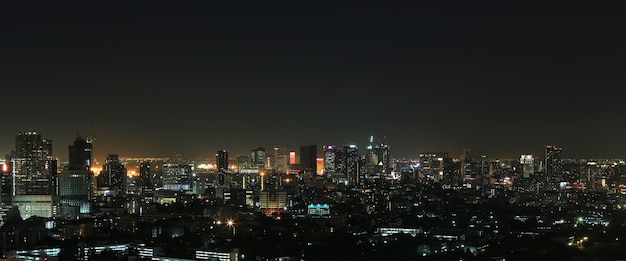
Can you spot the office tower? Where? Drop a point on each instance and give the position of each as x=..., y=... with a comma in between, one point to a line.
x=308, y=156
x=243, y=162
x=281, y=164
x=257, y=158
x=32, y=172
x=330, y=164
x=221, y=160
x=552, y=160
x=112, y=177
x=292, y=158
x=80, y=157
x=438, y=167
x=484, y=166
x=74, y=182
x=178, y=177
x=145, y=174
x=352, y=165
x=467, y=164
x=383, y=163
x=320, y=165
x=371, y=158
x=528, y=165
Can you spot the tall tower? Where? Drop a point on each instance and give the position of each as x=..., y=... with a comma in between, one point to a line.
x=467, y=164
x=32, y=174
x=528, y=166
x=80, y=157
x=221, y=160
x=257, y=158
x=308, y=156
x=112, y=178
x=352, y=165
x=552, y=159
x=330, y=164
x=74, y=182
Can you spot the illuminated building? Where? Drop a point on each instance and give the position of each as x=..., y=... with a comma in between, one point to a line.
x=80, y=157
x=330, y=164
x=318, y=210
x=221, y=160
x=292, y=158
x=552, y=159
x=528, y=167
x=352, y=163
x=32, y=172
x=257, y=158
x=112, y=177
x=437, y=166
x=377, y=159
x=74, y=183
x=320, y=166
x=243, y=162
x=272, y=201
x=467, y=164
x=179, y=177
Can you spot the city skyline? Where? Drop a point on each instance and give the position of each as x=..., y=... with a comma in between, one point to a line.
x=151, y=80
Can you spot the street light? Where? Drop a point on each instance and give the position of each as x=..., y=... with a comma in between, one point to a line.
x=231, y=224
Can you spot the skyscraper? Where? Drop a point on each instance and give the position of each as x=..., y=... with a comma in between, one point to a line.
x=221, y=160
x=112, y=178
x=308, y=156
x=80, y=157
x=74, y=182
x=528, y=165
x=352, y=165
x=552, y=159
x=257, y=158
x=32, y=173
x=330, y=164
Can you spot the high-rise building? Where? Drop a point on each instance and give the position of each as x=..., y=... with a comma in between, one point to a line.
x=528, y=165
x=552, y=159
x=112, y=177
x=32, y=175
x=330, y=164
x=74, y=182
x=243, y=162
x=292, y=158
x=257, y=158
x=221, y=160
x=308, y=156
x=467, y=164
x=180, y=177
x=352, y=165
x=80, y=157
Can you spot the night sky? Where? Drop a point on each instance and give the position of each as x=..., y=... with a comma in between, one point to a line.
x=192, y=77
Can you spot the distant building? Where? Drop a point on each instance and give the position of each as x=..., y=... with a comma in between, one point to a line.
x=352, y=165
x=74, y=183
x=221, y=160
x=257, y=158
x=32, y=176
x=528, y=165
x=243, y=162
x=308, y=156
x=272, y=201
x=330, y=163
x=112, y=178
x=552, y=160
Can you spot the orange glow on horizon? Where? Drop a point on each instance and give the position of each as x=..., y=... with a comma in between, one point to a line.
x=96, y=170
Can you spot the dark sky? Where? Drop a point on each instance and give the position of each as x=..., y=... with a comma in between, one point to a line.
x=153, y=78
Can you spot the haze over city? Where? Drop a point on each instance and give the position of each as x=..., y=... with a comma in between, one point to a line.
x=154, y=79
